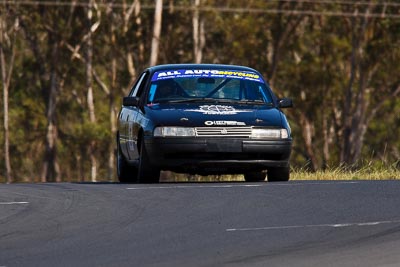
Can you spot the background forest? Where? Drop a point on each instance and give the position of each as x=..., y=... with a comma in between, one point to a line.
x=65, y=66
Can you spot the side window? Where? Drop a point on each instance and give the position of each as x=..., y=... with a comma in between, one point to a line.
x=138, y=84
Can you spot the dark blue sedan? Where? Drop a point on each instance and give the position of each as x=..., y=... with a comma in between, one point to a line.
x=203, y=119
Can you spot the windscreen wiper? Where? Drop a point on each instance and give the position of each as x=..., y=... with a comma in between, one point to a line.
x=214, y=100
x=190, y=100
x=241, y=101
x=251, y=102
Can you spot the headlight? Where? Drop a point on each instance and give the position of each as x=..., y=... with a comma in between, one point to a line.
x=173, y=131
x=269, y=133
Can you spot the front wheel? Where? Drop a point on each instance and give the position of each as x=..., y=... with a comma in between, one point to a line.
x=147, y=173
x=278, y=174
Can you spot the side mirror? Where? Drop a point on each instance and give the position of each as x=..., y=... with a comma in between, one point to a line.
x=130, y=101
x=285, y=103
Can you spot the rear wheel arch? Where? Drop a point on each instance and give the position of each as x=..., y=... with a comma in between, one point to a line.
x=125, y=172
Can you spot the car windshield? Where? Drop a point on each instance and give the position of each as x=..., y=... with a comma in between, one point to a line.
x=208, y=85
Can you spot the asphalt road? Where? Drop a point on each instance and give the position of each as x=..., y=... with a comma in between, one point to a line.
x=203, y=224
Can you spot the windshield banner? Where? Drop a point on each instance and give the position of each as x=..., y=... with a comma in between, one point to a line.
x=243, y=75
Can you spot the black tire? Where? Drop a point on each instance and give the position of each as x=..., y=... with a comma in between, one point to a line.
x=125, y=172
x=254, y=176
x=278, y=174
x=147, y=173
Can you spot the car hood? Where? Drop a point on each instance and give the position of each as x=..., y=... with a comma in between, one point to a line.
x=196, y=115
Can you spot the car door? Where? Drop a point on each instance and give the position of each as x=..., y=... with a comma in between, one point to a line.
x=126, y=116
x=133, y=116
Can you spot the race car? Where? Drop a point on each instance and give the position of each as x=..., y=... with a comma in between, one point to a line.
x=203, y=119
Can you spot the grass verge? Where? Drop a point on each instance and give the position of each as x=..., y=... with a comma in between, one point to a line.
x=339, y=174
x=366, y=173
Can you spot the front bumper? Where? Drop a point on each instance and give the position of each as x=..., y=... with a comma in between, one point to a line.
x=217, y=155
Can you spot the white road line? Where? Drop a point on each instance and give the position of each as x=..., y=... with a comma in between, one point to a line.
x=296, y=183
x=193, y=186
x=337, y=225
x=13, y=203
x=239, y=185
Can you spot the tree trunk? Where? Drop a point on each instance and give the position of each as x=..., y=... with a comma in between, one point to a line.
x=51, y=169
x=47, y=70
x=139, y=37
x=198, y=34
x=155, y=43
x=6, y=78
x=131, y=66
x=327, y=140
x=308, y=133
x=112, y=108
x=356, y=101
x=283, y=31
x=89, y=87
x=113, y=123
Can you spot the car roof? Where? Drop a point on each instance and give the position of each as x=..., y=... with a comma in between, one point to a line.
x=200, y=66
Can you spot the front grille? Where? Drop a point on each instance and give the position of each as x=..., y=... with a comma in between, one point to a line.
x=223, y=131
